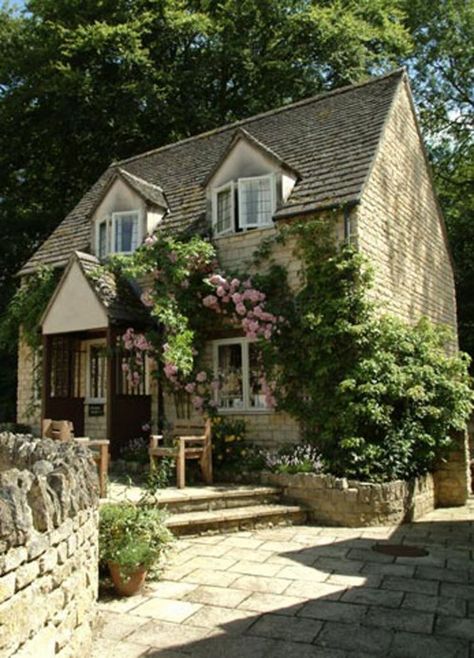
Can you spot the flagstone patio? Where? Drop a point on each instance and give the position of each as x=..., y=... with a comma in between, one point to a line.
x=304, y=591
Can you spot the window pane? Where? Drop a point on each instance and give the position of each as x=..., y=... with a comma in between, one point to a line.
x=126, y=232
x=224, y=211
x=256, y=202
x=256, y=373
x=97, y=371
x=102, y=240
x=230, y=376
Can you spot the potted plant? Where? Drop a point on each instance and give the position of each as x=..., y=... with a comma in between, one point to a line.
x=132, y=539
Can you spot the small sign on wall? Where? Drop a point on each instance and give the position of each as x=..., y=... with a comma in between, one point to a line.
x=96, y=410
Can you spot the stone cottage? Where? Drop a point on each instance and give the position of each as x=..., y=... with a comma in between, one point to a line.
x=356, y=151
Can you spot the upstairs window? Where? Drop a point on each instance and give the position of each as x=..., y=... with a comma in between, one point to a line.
x=256, y=204
x=223, y=209
x=119, y=233
x=244, y=204
x=126, y=232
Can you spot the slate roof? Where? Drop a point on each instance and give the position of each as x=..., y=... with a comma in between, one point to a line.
x=330, y=140
x=117, y=296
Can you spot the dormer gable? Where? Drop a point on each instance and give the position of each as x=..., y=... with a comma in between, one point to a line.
x=128, y=209
x=246, y=185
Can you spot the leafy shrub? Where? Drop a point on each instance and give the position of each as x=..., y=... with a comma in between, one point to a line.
x=160, y=476
x=300, y=458
x=132, y=535
x=379, y=398
x=228, y=441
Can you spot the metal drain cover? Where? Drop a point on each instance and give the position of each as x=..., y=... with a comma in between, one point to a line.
x=400, y=550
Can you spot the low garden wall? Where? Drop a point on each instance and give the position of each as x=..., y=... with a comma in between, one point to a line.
x=343, y=502
x=48, y=548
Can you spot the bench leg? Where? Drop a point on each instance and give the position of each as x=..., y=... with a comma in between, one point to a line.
x=180, y=467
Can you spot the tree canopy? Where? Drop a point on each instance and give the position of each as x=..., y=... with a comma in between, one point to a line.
x=84, y=82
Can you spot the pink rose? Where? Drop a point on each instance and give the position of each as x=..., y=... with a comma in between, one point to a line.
x=197, y=401
x=201, y=376
x=210, y=301
x=240, y=308
x=189, y=388
x=217, y=280
x=237, y=298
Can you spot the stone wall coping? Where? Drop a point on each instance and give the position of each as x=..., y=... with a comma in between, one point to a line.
x=42, y=484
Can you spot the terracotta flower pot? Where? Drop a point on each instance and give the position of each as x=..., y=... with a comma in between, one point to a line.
x=129, y=584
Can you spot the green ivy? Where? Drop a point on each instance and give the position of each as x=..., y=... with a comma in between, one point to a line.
x=379, y=398
x=26, y=308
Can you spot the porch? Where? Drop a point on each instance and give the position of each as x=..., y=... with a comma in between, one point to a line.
x=83, y=378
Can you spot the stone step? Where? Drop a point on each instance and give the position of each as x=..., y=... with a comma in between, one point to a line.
x=199, y=499
x=237, y=518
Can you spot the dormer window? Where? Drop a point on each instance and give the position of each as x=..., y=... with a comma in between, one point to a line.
x=244, y=204
x=119, y=233
x=256, y=201
x=126, y=232
x=223, y=209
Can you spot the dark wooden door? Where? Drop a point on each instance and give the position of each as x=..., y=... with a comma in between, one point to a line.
x=63, y=397
x=129, y=407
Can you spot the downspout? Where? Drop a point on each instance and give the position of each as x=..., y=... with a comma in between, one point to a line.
x=347, y=224
x=348, y=207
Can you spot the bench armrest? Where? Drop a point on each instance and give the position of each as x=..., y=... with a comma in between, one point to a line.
x=154, y=440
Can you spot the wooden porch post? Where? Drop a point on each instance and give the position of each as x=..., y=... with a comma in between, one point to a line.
x=45, y=377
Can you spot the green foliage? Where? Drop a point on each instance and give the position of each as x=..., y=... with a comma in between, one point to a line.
x=132, y=535
x=160, y=476
x=229, y=445
x=26, y=308
x=377, y=397
x=177, y=269
x=442, y=71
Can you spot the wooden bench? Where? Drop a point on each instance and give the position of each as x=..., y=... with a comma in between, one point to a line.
x=63, y=430
x=189, y=442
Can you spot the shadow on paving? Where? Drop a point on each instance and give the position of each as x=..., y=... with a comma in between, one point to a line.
x=371, y=604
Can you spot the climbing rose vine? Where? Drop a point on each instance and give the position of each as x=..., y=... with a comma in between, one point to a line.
x=186, y=293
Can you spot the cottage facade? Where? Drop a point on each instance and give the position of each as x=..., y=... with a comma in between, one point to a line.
x=355, y=153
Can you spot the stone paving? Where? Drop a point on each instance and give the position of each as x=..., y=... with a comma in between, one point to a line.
x=305, y=591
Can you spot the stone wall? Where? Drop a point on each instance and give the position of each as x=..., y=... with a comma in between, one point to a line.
x=48, y=548
x=453, y=476
x=341, y=502
x=399, y=225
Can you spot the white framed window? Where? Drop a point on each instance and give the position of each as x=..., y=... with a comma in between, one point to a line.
x=126, y=231
x=257, y=201
x=96, y=390
x=238, y=369
x=120, y=233
x=223, y=209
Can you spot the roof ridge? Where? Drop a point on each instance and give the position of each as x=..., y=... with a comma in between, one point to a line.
x=283, y=108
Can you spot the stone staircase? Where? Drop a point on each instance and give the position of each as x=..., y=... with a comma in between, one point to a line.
x=228, y=507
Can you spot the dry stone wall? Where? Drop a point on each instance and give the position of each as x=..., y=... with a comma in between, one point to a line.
x=48, y=548
x=342, y=502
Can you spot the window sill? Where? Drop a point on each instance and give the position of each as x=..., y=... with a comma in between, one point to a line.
x=245, y=412
x=241, y=234
x=94, y=401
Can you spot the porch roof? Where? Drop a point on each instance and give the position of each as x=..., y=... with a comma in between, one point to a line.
x=90, y=297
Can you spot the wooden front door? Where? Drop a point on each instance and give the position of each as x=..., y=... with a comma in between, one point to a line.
x=129, y=407
x=63, y=398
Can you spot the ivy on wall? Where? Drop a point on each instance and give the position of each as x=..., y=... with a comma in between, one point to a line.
x=379, y=398
x=26, y=308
